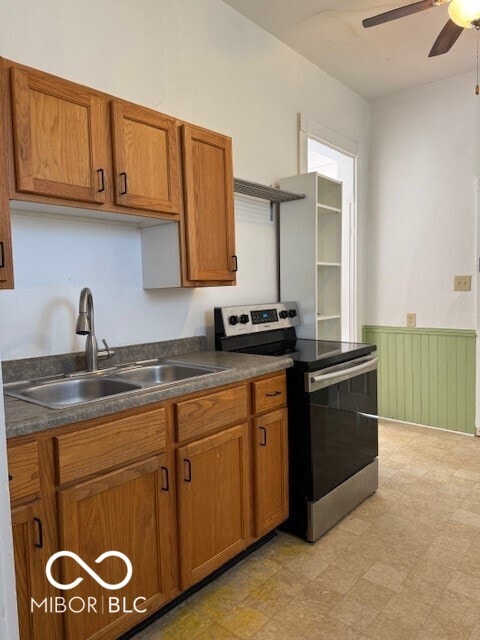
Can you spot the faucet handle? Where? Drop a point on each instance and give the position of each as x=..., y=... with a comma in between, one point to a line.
x=109, y=352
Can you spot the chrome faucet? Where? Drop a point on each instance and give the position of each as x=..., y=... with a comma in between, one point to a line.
x=86, y=327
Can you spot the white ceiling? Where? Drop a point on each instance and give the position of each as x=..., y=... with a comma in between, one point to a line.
x=375, y=62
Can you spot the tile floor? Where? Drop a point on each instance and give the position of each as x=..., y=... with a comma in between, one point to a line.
x=404, y=565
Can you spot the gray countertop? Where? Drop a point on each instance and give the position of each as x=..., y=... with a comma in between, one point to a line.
x=25, y=418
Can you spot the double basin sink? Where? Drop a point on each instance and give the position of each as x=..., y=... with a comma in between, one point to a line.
x=66, y=391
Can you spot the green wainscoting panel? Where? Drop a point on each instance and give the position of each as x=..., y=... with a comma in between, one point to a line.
x=426, y=376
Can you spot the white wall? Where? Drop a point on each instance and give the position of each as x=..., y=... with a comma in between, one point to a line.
x=422, y=205
x=198, y=60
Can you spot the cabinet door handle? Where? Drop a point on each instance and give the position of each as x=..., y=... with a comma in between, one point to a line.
x=101, y=173
x=10, y=478
x=188, y=469
x=39, y=543
x=125, y=183
x=235, y=268
x=274, y=393
x=166, y=484
x=264, y=442
x=2, y=254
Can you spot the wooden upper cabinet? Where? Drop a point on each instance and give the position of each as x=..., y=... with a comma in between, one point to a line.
x=145, y=158
x=59, y=136
x=209, y=213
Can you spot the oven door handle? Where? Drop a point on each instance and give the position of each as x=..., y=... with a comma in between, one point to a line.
x=326, y=379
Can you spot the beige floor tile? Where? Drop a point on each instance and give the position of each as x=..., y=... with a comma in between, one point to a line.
x=406, y=612
x=465, y=585
x=421, y=590
x=467, y=517
x=294, y=630
x=185, y=624
x=355, y=614
x=375, y=595
x=244, y=621
x=336, y=578
x=386, y=576
x=217, y=632
x=439, y=626
x=320, y=598
x=384, y=628
x=333, y=629
x=460, y=608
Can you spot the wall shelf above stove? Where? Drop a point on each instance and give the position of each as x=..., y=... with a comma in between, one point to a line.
x=272, y=194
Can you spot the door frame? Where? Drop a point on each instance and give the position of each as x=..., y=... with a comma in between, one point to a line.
x=308, y=128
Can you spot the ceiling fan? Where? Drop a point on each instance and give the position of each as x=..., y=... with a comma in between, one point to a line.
x=464, y=14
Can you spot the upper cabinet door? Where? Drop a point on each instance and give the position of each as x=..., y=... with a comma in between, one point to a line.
x=59, y=132
x=145, y=157
x=209, y=214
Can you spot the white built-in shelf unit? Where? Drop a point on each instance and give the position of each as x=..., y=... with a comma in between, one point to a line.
x=311, y=254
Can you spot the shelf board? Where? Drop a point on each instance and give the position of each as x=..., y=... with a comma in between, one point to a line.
x=329, y=264
x=322, y=318
x=328, y=209
x=256, y=190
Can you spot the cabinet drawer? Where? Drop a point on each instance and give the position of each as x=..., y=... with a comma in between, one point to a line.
x=269, y=394
x=109, y=445
x=197, y=417
x=23, y=469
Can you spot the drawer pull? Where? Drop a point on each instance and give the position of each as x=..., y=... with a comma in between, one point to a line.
x=235, y=268
x=125, y=183
x=2, y=255
x=166, y=485
x=101, y=173
x=188, y=465
x=264, y=442
x=38, y=522
x=274, y=393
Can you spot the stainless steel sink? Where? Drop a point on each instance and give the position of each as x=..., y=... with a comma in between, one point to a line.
x=59, y=392
x=66, y=393
x=162, y=373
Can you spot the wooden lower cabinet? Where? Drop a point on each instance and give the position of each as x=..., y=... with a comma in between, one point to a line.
x=177, y=511
x=129, y=511
x=28, y=548
x=270, y=447
x=213, y=488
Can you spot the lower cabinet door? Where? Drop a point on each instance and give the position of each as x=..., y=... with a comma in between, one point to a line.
x=30, y=570
x=270, y=444
x=213, y=502
x=129, y=511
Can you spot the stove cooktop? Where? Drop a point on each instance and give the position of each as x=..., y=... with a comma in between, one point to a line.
x=313, y=354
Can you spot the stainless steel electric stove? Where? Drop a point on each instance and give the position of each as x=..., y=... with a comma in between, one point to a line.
x=332, y=408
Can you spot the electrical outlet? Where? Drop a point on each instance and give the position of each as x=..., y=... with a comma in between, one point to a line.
x=411, y=319
x=462, y=283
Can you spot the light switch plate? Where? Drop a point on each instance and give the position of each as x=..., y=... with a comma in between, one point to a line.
x=411, y=319
x=462, y=283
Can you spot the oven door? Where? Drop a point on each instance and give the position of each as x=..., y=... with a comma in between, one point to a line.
x=343, y=429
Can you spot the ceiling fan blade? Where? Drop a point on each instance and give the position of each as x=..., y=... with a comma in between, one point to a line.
x=401, y=12
x=447, y=38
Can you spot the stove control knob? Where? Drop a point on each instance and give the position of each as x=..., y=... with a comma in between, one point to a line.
x=292, y=313
x=233, y=320
x=244, y=319
x=283, y=314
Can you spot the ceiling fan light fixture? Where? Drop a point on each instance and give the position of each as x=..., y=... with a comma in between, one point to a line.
x=464, y=12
